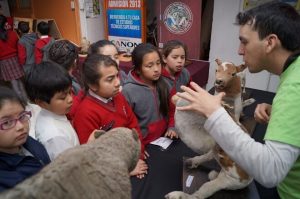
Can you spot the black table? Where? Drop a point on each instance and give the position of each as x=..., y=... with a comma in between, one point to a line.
x=165, y=172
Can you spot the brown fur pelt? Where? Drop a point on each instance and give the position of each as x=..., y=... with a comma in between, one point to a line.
x=99, y=169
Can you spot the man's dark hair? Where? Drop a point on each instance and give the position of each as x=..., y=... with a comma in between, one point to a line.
x=23, y=27
x=274, y=18
x=46, y=79
x=43, y=28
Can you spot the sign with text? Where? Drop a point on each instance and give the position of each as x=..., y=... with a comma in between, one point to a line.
x=125, y=23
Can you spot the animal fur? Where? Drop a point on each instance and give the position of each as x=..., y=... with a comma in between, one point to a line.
x=231, y=80
x=190, y=126
x=99, y=169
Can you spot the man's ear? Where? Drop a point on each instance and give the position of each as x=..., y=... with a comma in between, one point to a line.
x=271, y=42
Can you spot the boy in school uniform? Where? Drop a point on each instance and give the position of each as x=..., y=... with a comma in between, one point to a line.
x=26, y=46
x=43, y=44
x=49, y=86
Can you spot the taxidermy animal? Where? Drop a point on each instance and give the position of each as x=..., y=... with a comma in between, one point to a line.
x=99, y=169
x=191, y=131
x=231, y=80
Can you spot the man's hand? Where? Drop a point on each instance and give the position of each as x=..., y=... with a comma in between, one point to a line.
x=262, y=113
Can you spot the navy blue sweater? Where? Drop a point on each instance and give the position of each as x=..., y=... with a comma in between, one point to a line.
x=15, y=168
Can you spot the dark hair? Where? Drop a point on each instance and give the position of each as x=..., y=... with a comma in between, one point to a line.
x=7, y=94
x=23, y=27
x=171, y=45
x=64, y=53
x=43, y=28
x=90, y=69
x=46, y=79
x=3, y=31
x=274, y=18
x=95, y=47
x=137, y=59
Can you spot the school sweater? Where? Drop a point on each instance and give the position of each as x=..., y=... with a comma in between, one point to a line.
x=9, y=47
x=180, y=78
x=93, y=114
x=144, y=102
x=14, y=168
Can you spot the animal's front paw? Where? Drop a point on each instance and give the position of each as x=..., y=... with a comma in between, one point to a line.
x=191, y=163
x=177, y=195
x=248, y=102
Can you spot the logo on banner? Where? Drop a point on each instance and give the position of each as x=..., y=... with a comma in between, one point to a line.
x=178, y=18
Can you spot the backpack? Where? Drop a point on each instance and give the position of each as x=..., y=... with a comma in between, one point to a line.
x=46, y=49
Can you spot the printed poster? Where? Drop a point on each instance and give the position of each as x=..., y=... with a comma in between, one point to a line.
x=124, y=23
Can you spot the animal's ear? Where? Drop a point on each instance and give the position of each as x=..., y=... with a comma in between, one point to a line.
x=174, y=99
x=241, y=67
x=135, y=134
x=219, y=62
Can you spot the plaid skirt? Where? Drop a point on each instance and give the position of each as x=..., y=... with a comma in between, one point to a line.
x=10, y=69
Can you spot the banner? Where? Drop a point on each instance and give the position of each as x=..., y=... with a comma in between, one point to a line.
x=125, y=23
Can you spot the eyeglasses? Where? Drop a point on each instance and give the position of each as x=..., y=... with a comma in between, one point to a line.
x=8, y=124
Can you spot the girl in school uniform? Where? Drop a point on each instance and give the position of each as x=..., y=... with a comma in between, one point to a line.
x=103, y=106
x=21, y=156
x=147, y=92
x=174, y=54
x=106, y=47
x=10, y=68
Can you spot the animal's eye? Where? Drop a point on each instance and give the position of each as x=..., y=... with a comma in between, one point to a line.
x=233, y=74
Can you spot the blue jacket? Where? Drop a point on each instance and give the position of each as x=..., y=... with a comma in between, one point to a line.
x=15, y=168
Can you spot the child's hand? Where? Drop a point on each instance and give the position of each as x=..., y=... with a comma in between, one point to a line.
x=140, y=169
x=94, y=135
x=171, y=134
x=146, y=154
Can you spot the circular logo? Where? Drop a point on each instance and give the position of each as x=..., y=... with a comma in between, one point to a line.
x=178, y=18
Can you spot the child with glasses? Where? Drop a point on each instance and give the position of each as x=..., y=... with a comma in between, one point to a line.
x=20, y=155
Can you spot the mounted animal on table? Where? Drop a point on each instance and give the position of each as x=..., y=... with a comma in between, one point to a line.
x=190, y=128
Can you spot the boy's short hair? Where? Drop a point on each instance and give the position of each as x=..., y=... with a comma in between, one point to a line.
x=23, y=27
x=46, y=79
x=43, y=28
x=64, y=53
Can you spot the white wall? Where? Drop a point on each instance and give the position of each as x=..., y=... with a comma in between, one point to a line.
x=92, y=28
x=224, y=45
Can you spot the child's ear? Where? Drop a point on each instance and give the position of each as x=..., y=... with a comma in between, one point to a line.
x=93, y=87
x=41, y=103
x=164, y=59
